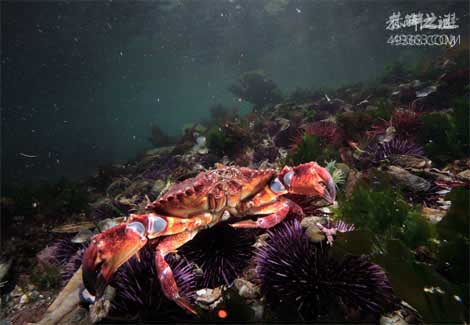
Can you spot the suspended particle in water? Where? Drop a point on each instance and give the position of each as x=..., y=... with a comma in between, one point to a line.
x=457, y=298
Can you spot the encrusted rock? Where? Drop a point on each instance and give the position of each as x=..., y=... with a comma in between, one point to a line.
x=158, y=186
x=108, y=223
x=464, y=175
x=73, y=228
x=311, y=229
x=82, y=237
x=101, y=307
x=433, y=215
x=246, y=289
x=408, y=180
x=344, y=169
x=410, y=161
x=351, y=181
x=208, y=299
x=118, y=186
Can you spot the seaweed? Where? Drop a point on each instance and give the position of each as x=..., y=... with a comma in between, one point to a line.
x=383, y=112
x=446, y=136
x=219, y=114
x=311, y=148
x=453, y=232
x=417, y=230
x=301, y=95
x=381, y=210
x=220, y=143
x=255, y=87
x=418, y=284
x=46, y=277
x=354, y=124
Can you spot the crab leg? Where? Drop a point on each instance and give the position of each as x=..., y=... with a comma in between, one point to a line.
x=113, y=247
x=107, y=252
x=277, y=212
x=165, y=274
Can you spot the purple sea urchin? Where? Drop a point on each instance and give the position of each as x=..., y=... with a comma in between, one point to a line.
x=222, y=253
x=72, y=265
x=138, y=291
x=58, y=253
x=380, y=151
x=300, y=279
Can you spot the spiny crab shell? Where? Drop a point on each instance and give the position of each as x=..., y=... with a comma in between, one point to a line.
x=206, y=191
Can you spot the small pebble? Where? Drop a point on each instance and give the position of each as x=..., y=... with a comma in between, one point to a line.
x=24, y=299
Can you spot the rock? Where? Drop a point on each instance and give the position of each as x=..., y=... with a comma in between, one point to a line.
x=261, y=240
x=410, y=161
x=66, y=302
x=351, y=181
x=17, y=292
x=82, y=237
x=423, y=254
x=24, y=299
x=246, y=289
x=394, y=318
x=426, y=91
x=99, y=310
x=308, y=222
x=208, y=299
x=74, y=227
x=312, y=231
x=433, y=215
x=158, y=151
x=371, y=108
x=408, y=180
x=258, y=309
x=464, y=175
x=344, y=169
x=8, y=275
x=118, y=186
x=109, y=223
x=158, y=186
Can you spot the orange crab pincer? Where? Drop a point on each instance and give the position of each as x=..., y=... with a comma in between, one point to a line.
x=225, y=193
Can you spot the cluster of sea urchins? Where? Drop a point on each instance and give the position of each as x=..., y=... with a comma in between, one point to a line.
x=300, y=279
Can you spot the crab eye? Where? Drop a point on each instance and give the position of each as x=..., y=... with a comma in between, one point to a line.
x=156, y=224
x=137, y=227
x=276, y=186
x=288, y=178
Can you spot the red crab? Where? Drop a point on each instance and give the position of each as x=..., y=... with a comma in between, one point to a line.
x=225, y=193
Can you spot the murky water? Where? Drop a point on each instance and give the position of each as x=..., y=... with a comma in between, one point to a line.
x=108, y=106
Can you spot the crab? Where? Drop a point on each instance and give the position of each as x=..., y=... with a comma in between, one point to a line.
x=225, y=194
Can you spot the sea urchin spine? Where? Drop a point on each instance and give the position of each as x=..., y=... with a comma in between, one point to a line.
x=300, y=277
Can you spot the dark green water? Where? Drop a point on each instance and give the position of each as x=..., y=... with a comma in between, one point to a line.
x=357, y=113
x=82, y=82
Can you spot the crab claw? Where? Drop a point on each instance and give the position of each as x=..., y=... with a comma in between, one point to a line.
x=108, y=251
x=309, y=179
